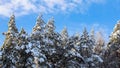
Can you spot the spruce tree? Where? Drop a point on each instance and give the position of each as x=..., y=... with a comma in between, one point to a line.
x=8, y=48
x=23, y=52
x=12, y=32
x=53, y=49
x=46, y=48
x=112, y=55
x=37, y=44
x=72, y=56
x=86, y=50
x=85, y=45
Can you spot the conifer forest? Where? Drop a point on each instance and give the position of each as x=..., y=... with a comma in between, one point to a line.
x=46, y=48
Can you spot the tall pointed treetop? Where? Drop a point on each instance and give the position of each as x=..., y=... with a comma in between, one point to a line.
x=40, y=20
x=64, y=32
x=85, y=34
x=51, y=22
x=116, y=33
x=50, y=25
x=117, y=27
x=22, y=31
x=12, y=25
x=39, y=24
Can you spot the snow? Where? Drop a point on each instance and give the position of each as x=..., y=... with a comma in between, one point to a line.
x=93, y=64
x=89, y=59
x=77, y=43
x=41, y=60
x=29, y=45
x=35, y=52
x=27, y=51
x=23, y=35
x=22, y=47
x=85, y=46
x=0, y=53
x=98, y=57
x=43, y=49
x=77, y=47
x=29, y=59
x=77, y=54
x=17, y=47
x=13, y=61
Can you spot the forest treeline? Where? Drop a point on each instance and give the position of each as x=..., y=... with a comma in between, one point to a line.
x=46, y=48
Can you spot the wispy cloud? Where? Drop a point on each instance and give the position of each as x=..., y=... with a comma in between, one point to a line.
x=23, y=7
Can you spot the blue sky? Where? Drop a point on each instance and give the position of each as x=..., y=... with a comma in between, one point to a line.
x=101, y=15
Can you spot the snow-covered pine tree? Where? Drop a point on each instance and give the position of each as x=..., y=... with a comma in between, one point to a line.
x=23, y=53
x=50, y=27
x=52, y=41
x=86, y=46
x=11, y=33
x=37, y=44
x=115, y=34
x=112, y=55
x=72, y=57
x=9, y=51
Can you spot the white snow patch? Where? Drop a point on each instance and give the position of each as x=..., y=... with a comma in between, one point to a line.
x=41, y=60
x=89, y=59
x=27, y=51
x=0, y=53
x=35, y=51
x=85, y=46
x=17, y=47
x=98, y=57
x=23, y=46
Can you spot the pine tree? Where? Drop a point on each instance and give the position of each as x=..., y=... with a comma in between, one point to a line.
x=115, y=34
x=86, y=50
x=23, y=53
x=46, y=48
x=53, y=49
x=50, y=27
x=38, y=31
x=85, y=44
x=37, y=44
x=72, y=57
x=112, y=55
x=12, y=32
x=8, y=48
x=39, y=24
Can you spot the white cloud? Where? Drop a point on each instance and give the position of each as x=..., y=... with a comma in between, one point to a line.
x=23, y=7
